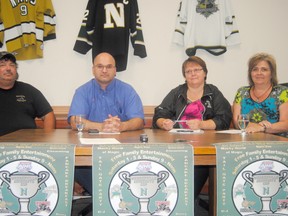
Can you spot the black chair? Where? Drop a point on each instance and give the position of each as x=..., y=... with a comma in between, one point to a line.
x=82, y=207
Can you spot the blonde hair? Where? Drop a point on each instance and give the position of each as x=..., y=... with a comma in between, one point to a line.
x=255, y=59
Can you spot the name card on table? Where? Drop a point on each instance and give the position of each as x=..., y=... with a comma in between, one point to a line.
x=36, y=179
x=143, y=179
x=252, y=178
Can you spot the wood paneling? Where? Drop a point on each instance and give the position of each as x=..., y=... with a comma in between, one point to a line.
x=61, y=113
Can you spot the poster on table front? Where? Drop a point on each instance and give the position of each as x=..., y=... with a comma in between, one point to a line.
x=36, y=179
x=252, y=178
x=143, y=179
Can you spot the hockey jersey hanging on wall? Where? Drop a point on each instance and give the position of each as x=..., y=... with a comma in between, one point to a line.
x=206, y=24
x=25, y=25
x=107, y=26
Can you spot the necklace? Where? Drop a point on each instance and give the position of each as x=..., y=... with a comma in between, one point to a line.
x=258, y=98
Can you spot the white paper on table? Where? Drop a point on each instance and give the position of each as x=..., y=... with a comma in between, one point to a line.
x=185, y=131
x=76, y=197
x=101, y=132
x=99, y=141
x=230, y=131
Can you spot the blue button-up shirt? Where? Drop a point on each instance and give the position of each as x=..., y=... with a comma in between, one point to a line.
x=118, y=98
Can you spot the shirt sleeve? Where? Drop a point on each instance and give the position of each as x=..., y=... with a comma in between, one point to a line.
x=167, y=108
x=232, y=34
x=181, y=23
x=79, y=104
x=133, y=106
x=283, y=97
x=136, y=32
x=49, y=21
x=83, y=42
x=1, y=31
x=41, y=105
x=222, y=111
x=240, y=94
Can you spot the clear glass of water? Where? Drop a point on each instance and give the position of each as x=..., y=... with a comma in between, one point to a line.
x=80, y=122
x=243, y=121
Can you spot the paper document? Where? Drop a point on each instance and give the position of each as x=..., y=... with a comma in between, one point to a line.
x=185, y=131
x=109, y=132
x=230, y=131
x=80, y=197
x=99, y=141
x=180, y=121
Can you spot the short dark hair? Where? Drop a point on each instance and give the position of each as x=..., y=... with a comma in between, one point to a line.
x=7, y=56
x=197, y=60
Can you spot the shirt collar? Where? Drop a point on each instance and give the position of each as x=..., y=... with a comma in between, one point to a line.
x=109, y=88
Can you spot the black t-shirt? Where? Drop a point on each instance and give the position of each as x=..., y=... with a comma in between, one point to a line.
x=20, y=106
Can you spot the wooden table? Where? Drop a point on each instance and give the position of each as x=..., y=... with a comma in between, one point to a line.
x=204, y=150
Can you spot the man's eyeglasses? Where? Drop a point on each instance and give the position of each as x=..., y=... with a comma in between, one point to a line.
x=101, y=67
x=196, y=70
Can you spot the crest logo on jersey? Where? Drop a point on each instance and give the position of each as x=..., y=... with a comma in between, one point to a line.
x=206, y=7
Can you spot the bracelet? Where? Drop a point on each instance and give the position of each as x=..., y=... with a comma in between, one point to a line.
x=264, y=128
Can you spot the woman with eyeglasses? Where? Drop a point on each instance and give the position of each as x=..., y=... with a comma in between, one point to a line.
x=195, y=105
x=264, y=101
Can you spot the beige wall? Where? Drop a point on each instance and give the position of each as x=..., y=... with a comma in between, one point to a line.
x=262, y=24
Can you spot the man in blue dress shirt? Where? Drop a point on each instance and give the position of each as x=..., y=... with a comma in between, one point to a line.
x=108, y=104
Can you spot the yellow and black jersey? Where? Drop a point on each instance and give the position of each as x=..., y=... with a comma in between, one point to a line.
x=25, y=25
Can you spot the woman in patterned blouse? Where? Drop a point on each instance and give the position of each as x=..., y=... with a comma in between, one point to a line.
x=263, y=100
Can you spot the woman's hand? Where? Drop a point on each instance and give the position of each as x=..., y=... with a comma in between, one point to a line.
x=265, y=124
x=167, y=124
x=254, y=127
x=194, y=124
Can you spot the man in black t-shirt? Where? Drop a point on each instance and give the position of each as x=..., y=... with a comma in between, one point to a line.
x=20, y=102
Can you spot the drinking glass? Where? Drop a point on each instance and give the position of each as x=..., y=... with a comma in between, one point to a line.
x=243, y=121
x=79, y=122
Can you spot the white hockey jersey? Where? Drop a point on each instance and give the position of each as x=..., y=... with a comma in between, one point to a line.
x=206, y=24
x=24, y=25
